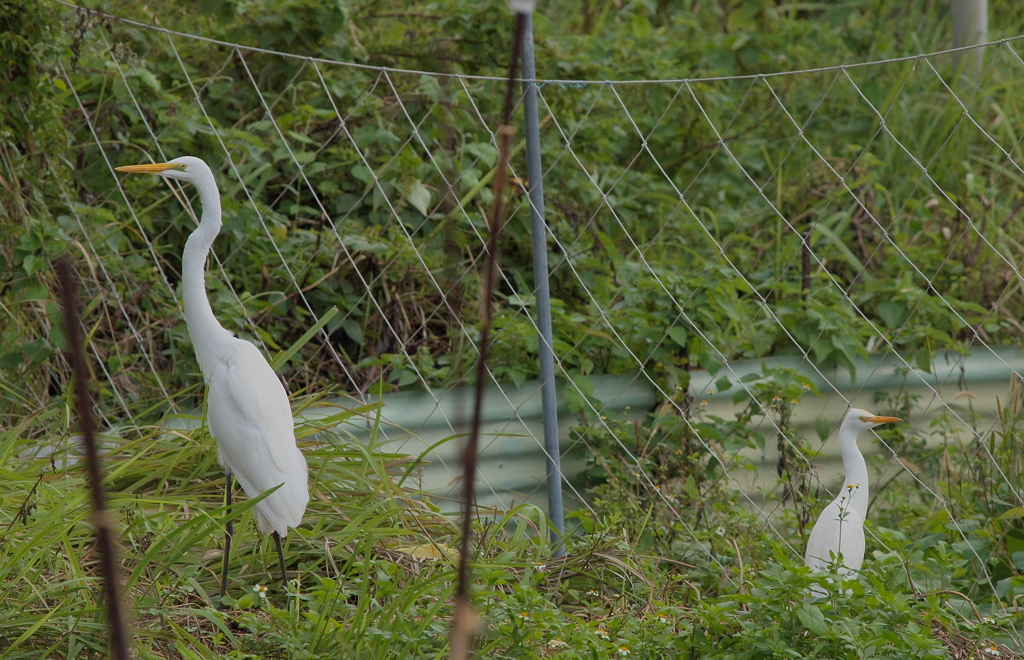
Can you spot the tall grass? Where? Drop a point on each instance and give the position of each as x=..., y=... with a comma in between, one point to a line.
x=375, y=563
x=166, y=490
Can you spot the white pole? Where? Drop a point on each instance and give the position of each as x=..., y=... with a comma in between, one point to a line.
x=970, y=27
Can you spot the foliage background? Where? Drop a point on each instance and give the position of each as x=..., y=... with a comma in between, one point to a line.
x=398, y=261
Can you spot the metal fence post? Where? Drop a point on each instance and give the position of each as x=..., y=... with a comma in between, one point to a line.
x=542, y=292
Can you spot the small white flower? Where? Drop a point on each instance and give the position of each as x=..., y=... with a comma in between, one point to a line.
x=260, y=590
x=602, y=633
x=556, y=643
x=525, y=616
x=992, y=650
x=542, y=567
x=623, y=650
x=593, y=592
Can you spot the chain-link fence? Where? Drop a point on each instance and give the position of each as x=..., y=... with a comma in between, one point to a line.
x=733, y=263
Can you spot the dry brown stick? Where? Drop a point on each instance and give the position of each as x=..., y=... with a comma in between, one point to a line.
x=464, y=621
x=83, y=401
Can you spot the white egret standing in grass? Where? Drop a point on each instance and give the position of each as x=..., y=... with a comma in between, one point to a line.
x=839, y=531
x=247, y=407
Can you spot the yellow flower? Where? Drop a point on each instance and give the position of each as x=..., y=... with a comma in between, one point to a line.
x=556, y=643
x=623, y=650
x=602, y=633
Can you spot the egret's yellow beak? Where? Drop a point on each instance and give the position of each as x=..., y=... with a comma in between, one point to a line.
x=878, y=419
x=149, y=168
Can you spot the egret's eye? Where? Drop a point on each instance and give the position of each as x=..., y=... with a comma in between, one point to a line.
x=864, y=419
x=181, y=166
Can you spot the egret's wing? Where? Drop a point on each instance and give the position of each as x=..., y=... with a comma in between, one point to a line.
x=250, y=416
x=251, y=389
x=836, y=532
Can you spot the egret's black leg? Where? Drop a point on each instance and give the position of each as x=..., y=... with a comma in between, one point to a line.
x=229, y=531
x=280, y=556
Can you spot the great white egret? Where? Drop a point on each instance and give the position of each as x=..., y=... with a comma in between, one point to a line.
x=247, y=407
x=839, y=531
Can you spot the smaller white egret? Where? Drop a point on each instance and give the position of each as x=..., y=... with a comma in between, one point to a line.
x=247, y=407
x=839, y=531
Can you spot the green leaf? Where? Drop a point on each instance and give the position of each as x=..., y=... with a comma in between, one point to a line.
x=363, y=173
x=352, y=329
x=419, y=197
x=576, y=397
x=812, y=618
x=147, y=79
x=1015, y=540
x=839, y=245
x=923, y=360
x=641, y=26
x=709, y=360
x=823, y=428
x=678, y=335
x=584, y=384
x=893, y=313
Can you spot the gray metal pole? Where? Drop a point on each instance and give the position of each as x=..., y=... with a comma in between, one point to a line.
x=543, y=294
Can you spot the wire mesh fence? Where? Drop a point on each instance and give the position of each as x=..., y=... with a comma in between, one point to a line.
x=733, y=263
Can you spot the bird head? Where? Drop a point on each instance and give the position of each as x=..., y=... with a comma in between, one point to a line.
x=862, y=420
x=186, y=168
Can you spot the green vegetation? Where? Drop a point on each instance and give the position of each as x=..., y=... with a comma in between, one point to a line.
x=383, y=222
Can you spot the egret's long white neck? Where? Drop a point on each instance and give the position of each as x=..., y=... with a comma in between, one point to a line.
x=856, y=472
x=203, y=328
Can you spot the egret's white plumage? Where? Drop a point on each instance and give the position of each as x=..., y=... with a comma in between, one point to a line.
x=840, y=528
x=253, y=426
x=247, y=407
